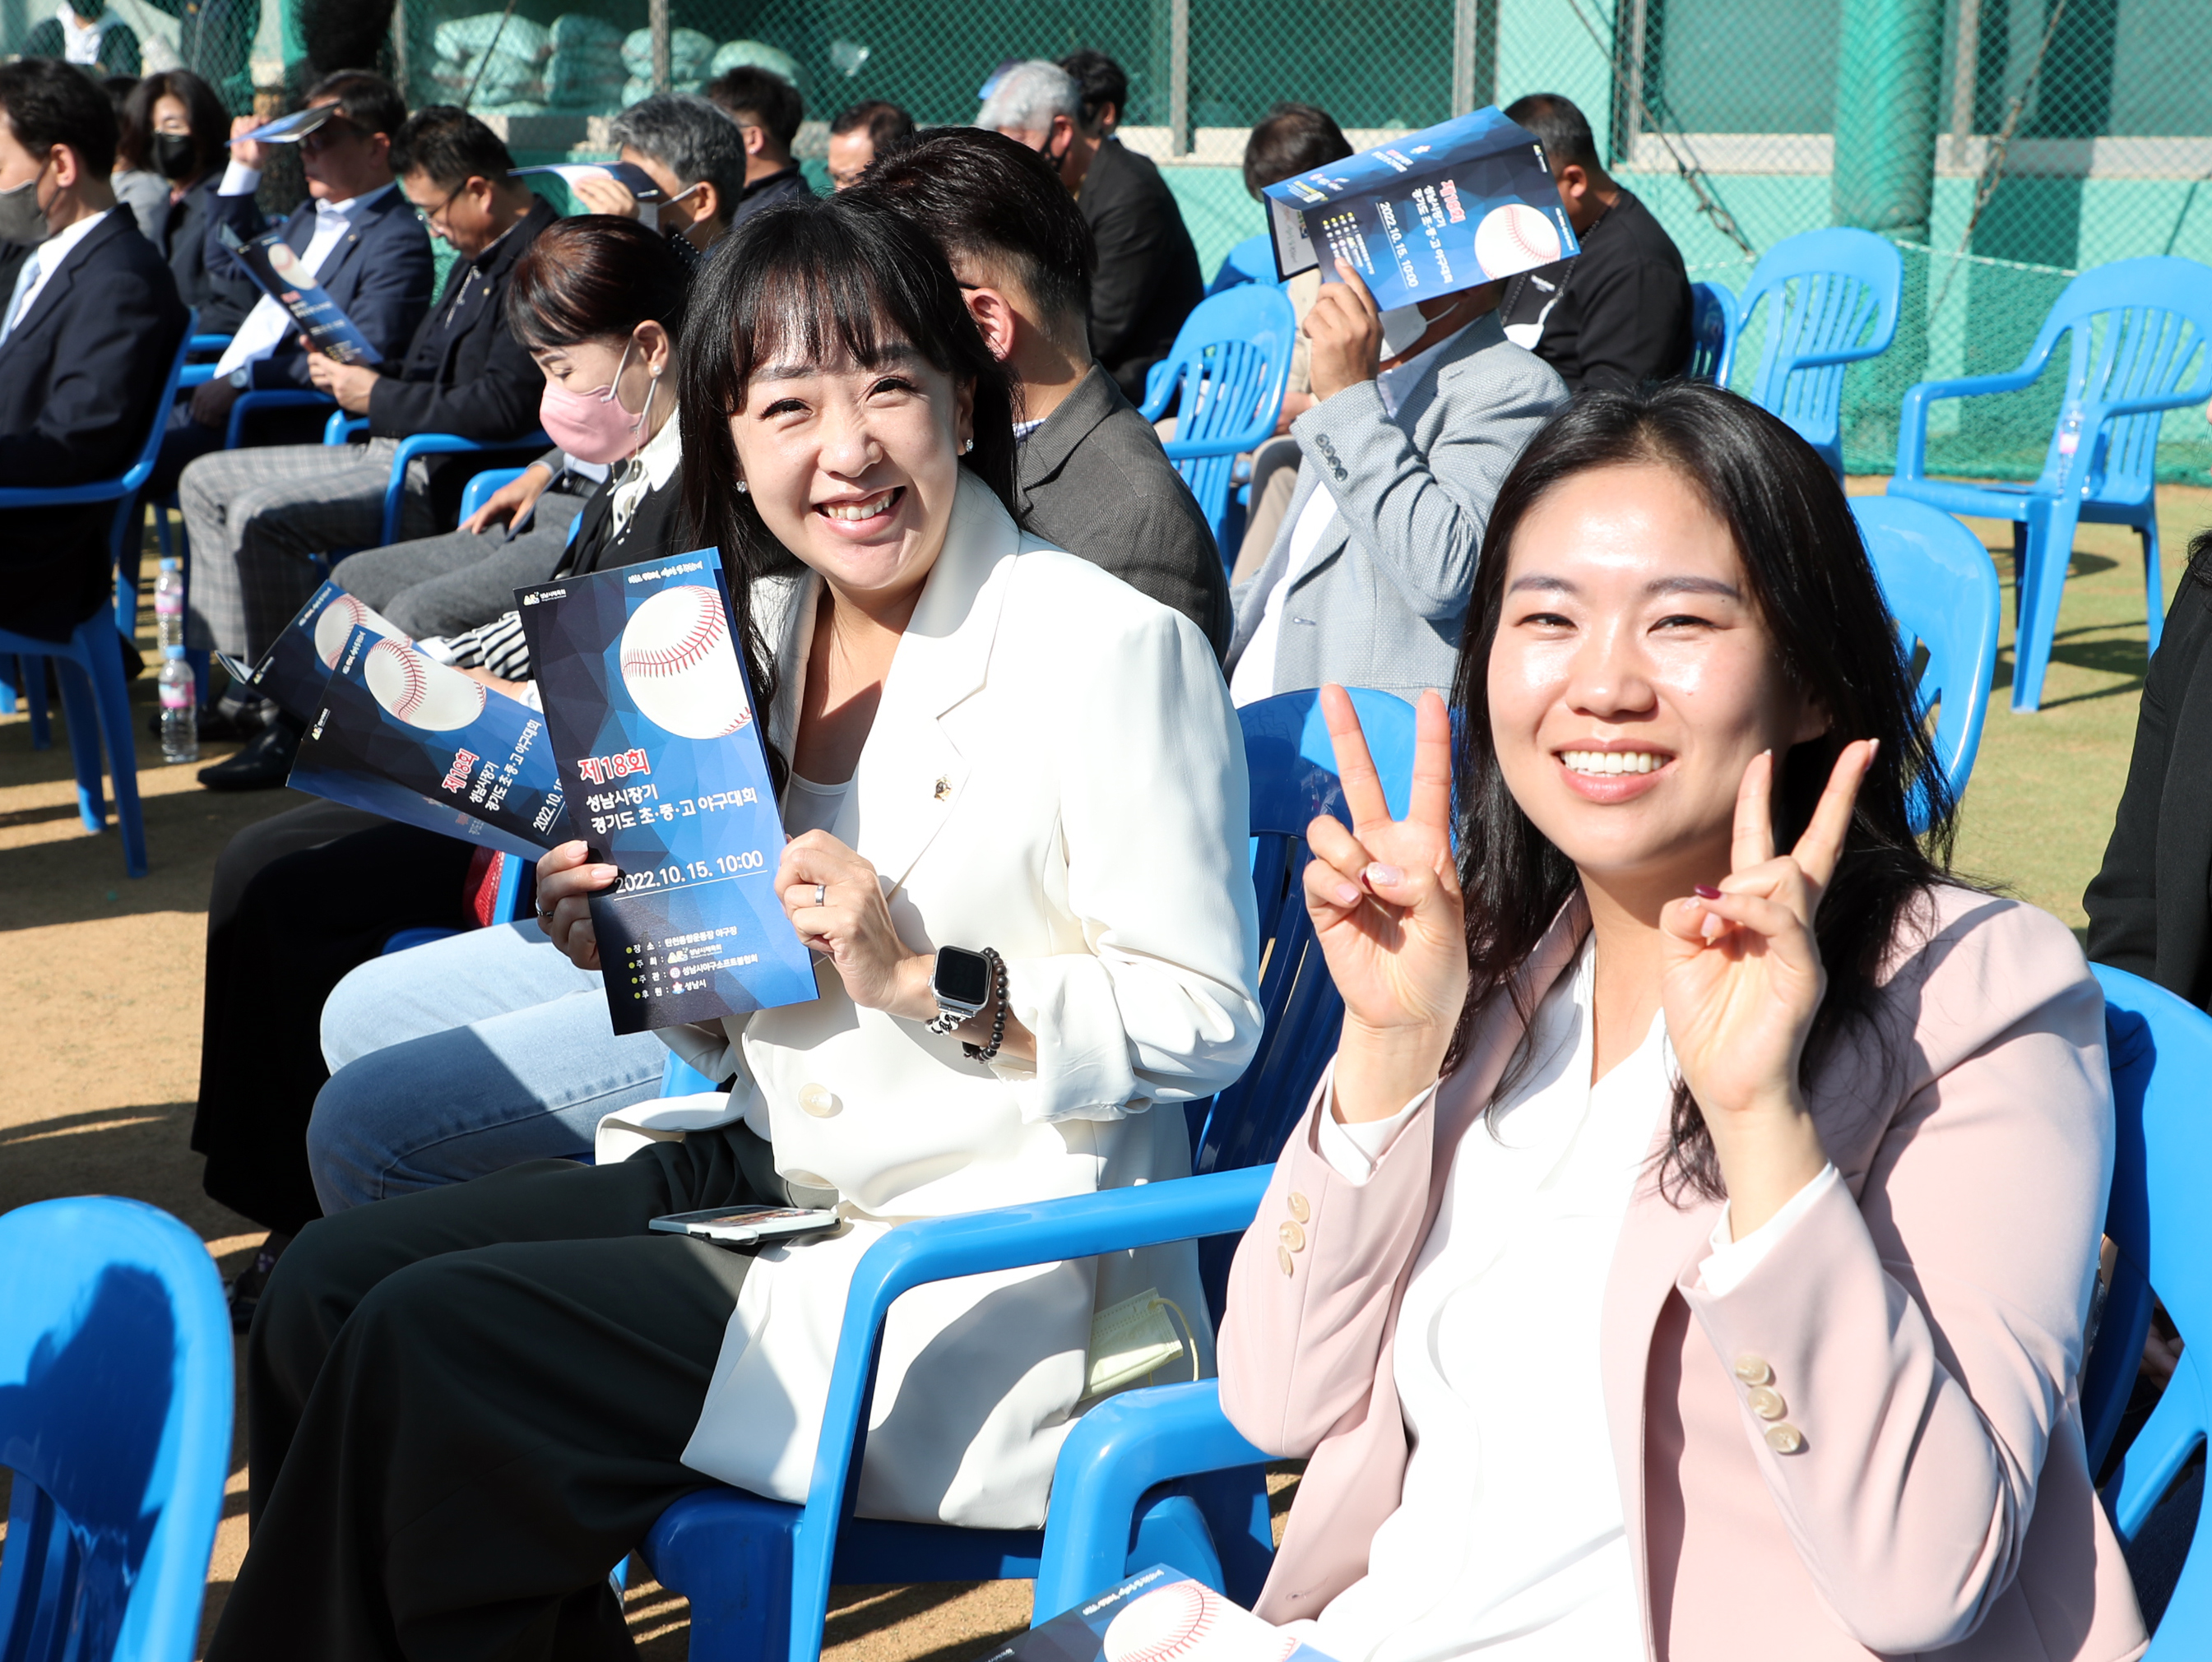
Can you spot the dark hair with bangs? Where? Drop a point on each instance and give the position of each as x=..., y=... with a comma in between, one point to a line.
x=595, y=275
x=829, y=280
x=1809, y=577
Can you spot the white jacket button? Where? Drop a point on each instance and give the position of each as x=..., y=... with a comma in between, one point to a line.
x=1292, y=1237
x=1766, y=1402
x=819, y=1100
x=1283, y=1258
x=1753, y=1370
x=1785, y=1438
x=1299, y=1209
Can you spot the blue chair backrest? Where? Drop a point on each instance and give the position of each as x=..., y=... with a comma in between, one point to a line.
x=115, y=1413
x=482, y=486
x=1251, y=260
x=2139, y=328
x=129, y=517
x=1712, y=333
x=1943, y=589
x=1835, y=297
x=2159, y=1050
x=1293, y=773
x=1225, y=379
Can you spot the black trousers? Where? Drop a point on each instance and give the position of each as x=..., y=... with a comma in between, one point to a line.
x=299, y=900
x=466, y=1406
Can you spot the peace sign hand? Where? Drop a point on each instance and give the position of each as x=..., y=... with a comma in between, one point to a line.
x=1385, y=901
x=1743, y=981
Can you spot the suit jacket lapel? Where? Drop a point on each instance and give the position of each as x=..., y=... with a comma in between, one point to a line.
x=1045, y=451
x=51, y=290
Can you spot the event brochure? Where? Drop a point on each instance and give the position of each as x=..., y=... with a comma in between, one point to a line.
x=1158, y=1615
x=628, y=174
x=296, y=669
x=271, y=263
x=1465, y=202
x=395, y=727
x=649, y=713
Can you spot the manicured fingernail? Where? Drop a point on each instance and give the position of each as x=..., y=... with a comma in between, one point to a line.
x=1706, y=891
x=1346, y=894
x=1384, y=876
x=1712, y=926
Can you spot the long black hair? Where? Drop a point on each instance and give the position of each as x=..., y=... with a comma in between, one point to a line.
x=829, y=281
x=1808, y=574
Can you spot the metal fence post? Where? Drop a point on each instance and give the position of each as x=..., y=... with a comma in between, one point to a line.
x=1887, y=88
x=1474, y=54
x=1179, y=77
x=657, y=16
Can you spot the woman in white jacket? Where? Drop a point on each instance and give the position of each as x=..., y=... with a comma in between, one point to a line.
x=468, y=1403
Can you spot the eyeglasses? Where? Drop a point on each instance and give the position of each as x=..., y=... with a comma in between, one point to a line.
x=318, y=138
x=429, y=216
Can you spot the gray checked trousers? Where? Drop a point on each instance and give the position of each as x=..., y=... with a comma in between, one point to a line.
x=257, y=518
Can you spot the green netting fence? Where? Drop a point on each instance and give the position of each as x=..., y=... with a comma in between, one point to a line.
x=2004, y=144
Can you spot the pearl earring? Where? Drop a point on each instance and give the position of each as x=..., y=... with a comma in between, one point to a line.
x=967, y=447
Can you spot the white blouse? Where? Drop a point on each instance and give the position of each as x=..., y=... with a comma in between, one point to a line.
x=1509, y=1541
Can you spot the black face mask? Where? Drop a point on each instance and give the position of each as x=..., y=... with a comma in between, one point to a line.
x=175, y=155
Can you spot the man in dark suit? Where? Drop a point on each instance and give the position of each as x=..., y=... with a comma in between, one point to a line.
x=257, y=518
x=1093, y=478
x=355, y=233
x=767, y=110
x=87, y=331
x=1147, y=270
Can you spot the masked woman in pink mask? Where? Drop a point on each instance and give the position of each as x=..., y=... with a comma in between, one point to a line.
x=301, y=899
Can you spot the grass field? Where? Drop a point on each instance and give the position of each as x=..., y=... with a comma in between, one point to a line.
x=101, y=978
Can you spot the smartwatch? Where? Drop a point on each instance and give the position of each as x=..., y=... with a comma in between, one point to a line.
x=962, y=983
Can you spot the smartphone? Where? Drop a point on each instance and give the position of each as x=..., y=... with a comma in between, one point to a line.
x=744, y=1225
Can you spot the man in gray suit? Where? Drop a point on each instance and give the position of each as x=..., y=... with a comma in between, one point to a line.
x=1093, y=479
x=1368, y=580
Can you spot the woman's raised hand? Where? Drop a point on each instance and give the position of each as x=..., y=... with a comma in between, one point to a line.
x=566, y=878
x=1743, y=981
x=1385, y=901
x=836, y=901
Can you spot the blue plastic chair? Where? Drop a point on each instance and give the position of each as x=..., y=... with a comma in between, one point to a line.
x=758, y=1572
x=1943, y=589
x=1224, y=379
x=2160, y=1049
x=115, y=1414
x=1251, y=260
x=1713, y=326
x=1836, y=296
x=341, y=429
x=2138, y=326
x=95, y=697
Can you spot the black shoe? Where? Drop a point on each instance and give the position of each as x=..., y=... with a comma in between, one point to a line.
x=264, y=765
x=246, y=1291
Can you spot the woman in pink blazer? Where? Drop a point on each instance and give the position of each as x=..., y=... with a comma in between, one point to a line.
x=1688, y=1253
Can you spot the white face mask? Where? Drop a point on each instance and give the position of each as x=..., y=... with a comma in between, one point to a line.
x=1401, y=327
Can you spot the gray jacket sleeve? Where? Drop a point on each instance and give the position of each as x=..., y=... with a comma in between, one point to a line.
x=1422, y=516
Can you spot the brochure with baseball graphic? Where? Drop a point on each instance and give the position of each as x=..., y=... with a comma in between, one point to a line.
x=295, y=669
x=646, y=699
x=395, y=727
x=1465, y=202
x=271, y=263
x=628, y=174
x=1159, y=1615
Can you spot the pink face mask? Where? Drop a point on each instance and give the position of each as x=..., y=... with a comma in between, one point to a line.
x=593, y=426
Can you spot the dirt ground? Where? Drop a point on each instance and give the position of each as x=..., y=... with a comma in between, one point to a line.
x=101, y=980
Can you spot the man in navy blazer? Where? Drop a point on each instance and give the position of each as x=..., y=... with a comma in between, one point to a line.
x=355, y=231
x=87, y=332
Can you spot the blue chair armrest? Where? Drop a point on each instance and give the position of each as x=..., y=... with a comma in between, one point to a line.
x=196, y=374
x=341, y=427
x=480, y=488
x=56, y=496
x=275, y=398
x=975, y=1243
x=440, y=444
x=217, y=344
x=1117, y=1452
x=1198, y=449
x=1161, y=381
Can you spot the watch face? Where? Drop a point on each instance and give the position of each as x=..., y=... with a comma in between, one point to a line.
x=963, y=977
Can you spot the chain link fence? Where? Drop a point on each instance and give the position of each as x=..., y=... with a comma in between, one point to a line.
x=2004, y=144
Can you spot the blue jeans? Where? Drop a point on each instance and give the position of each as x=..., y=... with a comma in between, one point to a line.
x=461, y=1057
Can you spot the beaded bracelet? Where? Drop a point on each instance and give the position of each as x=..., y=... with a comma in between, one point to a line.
x=985, y=1053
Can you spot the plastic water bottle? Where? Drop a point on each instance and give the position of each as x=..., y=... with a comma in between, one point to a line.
x=170, y=603
x=180, y=728
x=2069, y=428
